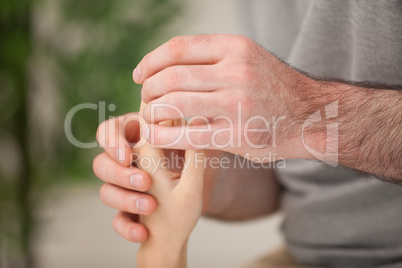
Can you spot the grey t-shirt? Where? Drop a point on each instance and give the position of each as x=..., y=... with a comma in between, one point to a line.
x=334, y=216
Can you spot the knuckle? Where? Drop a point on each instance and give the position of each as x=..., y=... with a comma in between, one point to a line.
x=246, y=72
x=242, y=74
x=177, y=46
x=171, y=78
x=241, y=43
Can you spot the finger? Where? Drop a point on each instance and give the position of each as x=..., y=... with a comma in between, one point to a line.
x=181, y=78
x=146, y=151
x=214, y=135
x=176, y=105
x=117, y=136
x=130, y=178
x=126, y=200
x=127, y=226
x=182, y=50
x=192, y=178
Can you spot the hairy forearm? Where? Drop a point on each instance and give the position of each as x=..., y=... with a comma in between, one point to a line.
x=368, y=119
x=241, y=193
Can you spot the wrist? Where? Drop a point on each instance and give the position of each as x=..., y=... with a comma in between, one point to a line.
x=162, y=253
x=313, y=114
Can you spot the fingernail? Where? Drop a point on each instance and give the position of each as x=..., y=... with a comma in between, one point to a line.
x=145, y=132
x=137, y=73
x=136, y=181
x=120, y=154
x=142, y=204
x=134, y=235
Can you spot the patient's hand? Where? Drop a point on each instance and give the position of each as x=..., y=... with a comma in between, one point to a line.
x=179, y=198
x=120, y=191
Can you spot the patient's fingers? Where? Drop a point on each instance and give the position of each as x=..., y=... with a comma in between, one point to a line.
x=127, y=177
x=126, y=200
x=118, y=135
x=127, y=226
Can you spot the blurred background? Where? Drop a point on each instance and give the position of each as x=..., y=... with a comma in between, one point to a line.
x=55, y=55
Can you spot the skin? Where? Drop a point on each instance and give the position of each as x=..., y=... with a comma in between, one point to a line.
x=193, y=72
x=168, y=227
x=245, y=199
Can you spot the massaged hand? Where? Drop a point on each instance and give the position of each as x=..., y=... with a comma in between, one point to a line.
x=250, y=97
x=180, y=201
x=125, y=186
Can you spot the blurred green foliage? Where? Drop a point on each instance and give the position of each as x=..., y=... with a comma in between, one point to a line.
x=55, y=55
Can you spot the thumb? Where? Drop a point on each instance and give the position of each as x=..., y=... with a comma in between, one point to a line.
x=192, y=178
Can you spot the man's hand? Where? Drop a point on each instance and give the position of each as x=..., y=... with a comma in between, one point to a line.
x=124, y=184
x=254, y=105
x=248, y=96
